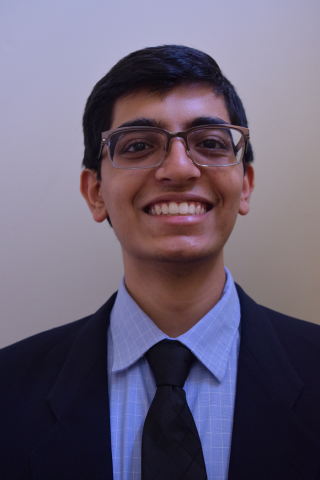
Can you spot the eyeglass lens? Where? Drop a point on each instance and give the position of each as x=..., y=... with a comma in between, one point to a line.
x=147, y=148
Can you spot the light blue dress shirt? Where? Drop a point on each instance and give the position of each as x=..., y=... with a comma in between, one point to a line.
x=210, y=386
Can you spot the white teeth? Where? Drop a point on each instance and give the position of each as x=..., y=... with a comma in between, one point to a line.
x=192, y=208
x=165, y=209
x=183, y=208
x=174, y=208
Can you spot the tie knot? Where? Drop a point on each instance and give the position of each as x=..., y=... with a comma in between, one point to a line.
x=170, y=362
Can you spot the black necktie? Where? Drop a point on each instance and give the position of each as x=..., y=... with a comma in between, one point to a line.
x=171, y=447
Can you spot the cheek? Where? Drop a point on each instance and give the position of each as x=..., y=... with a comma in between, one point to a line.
x=122, y=189
x=228, y=185
x=118, y=196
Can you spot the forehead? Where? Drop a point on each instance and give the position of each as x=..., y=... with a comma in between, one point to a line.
x=173, y=111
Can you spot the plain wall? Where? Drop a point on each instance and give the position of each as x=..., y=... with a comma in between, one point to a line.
x=56, y=264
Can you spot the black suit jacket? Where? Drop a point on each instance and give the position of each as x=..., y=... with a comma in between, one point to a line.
x=54, y=406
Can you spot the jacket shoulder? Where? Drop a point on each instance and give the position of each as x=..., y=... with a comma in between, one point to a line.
x=38, y=352
x=35, y=362
x=283, y=321
x=300, y=339
x=289, y=329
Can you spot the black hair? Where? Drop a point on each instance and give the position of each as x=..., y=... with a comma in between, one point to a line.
x=158, y=69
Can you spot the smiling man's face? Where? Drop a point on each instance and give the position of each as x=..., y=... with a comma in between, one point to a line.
x=209, y=198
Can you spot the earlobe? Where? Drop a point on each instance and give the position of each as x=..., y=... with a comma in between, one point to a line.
x=91, y=190
x=248, y=186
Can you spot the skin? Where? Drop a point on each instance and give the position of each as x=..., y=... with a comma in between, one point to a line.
x=173, y=265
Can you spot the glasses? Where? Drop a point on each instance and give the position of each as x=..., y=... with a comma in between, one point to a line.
x=146, y=147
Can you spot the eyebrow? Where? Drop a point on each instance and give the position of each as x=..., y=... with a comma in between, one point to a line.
x=200, y=121
x=196, y=122
x=142, y=122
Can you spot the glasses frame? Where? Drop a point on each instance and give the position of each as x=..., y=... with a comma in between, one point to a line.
x=170, y=135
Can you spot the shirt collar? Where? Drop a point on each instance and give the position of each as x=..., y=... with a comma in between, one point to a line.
x=210, y=339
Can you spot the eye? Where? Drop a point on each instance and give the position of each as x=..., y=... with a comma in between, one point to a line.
x=211, y=144
x=137, y=146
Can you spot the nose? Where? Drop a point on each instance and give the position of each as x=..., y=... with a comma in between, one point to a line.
x=177, y=165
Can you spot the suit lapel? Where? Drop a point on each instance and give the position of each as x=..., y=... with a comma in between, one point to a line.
x=268, y=441
x=79, y=445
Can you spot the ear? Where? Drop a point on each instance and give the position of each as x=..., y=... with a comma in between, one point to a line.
x=91, y=190
x=248, y=186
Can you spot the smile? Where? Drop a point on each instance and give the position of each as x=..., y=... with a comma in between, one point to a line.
x=174, y=208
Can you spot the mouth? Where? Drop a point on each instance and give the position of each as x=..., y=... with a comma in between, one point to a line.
x=178, y=208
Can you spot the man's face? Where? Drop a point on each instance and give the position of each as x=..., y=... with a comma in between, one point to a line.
x=131, y=197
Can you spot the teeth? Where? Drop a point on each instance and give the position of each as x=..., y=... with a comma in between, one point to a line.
x=165, y=209
x=158, y=209
x=174, y=208
x=183, y=208
x=192, y=208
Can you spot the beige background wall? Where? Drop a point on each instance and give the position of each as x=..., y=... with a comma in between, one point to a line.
x=57, y=265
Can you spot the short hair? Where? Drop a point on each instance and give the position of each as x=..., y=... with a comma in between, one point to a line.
x=158, y=69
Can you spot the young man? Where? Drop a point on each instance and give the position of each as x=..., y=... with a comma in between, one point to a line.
x=168, y=164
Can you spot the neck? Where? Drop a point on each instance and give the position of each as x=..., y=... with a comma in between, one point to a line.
x=175, y=295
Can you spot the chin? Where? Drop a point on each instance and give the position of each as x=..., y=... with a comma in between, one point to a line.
x=186, y=255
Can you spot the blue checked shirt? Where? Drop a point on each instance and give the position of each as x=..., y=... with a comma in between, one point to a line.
x=210, y=386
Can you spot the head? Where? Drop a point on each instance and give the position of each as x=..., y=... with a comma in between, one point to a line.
x=174, y=88
x=158, y=70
